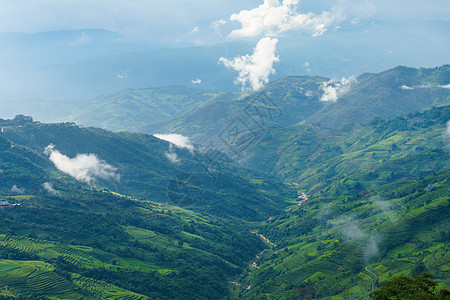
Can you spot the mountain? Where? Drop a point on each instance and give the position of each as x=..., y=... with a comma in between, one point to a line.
x=297, y=99
x=284, y=102
x=373, y=204
x=147, y=165
x=388, y=94
x=204, y=115
x=102, y=214
x=128, y=110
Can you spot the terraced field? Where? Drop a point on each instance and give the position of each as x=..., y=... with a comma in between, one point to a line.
x=41, y=279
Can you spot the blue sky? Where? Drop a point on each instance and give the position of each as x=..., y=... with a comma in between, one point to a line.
x=170, y=21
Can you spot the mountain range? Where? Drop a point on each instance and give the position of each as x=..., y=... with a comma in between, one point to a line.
x=311, y=188
x=203, y=115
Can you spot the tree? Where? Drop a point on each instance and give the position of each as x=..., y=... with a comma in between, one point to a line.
x=417, y=287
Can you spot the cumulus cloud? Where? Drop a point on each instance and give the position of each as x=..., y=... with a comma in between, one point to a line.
x=197, y=81
x=49, y=188
x=255, y=69
x=178, y=140
x=272, y=18
x=83, y=167
x=17, y=190
x=334, y=89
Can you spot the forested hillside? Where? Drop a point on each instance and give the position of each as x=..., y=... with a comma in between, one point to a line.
x=100, y=214
x=298, y=209
x=373, y=204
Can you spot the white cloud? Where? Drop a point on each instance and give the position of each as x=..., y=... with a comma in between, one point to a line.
x=83, y=39
x=49, y=188
x=196, y=29
x=255, y=69
x=333, y=89
x=83, y=167
x=197, y=81
x=172, y=155
x=15, y=189
x=216, y=25
x=178, y=140
x=272, y=18
x=405, y=87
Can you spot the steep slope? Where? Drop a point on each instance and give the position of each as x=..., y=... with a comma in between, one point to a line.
x=373, y=204
x=145, y=170
x=67, y=237
x=310, y=155
x=282, y=103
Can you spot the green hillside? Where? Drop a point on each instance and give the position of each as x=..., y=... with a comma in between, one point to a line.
x=123, y=238
x=145, y=171
x=297, y=210
x=282, y=103
x=373, y=204
x=203, y=115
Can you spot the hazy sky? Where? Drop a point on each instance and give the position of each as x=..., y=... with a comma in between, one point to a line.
x=322, y=37
x=172, y=20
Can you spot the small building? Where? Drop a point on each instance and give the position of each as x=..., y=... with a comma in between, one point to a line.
x=4, y=203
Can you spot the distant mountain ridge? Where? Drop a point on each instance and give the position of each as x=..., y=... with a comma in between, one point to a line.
x=203, y=114
x=128, y=110
x=385, y=95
